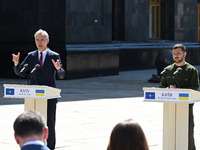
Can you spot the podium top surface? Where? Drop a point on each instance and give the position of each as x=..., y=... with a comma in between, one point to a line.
x=32, y=86
x=173, y=95
x=30, y=91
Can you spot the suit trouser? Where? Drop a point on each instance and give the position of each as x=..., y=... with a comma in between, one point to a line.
x=51, y=119
x=191, y=142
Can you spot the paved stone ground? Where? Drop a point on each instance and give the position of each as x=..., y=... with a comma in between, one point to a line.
x=90, y=108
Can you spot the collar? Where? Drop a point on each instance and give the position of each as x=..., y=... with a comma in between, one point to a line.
x=182, y=65
x=44, y=52
x=34, y=143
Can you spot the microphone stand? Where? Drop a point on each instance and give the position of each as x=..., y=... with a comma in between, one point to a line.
x=23, y=76
x=163, y=76
x=28, y=79
x=19, y=80
x=33, y=75
x=174, y=77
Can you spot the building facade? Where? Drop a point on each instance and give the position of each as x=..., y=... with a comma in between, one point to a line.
x=101, y=37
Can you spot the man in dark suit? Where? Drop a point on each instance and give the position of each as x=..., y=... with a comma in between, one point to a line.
x=31, y=131
x=50, y=66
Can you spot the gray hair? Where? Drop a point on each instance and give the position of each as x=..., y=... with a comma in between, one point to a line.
x=43, y=32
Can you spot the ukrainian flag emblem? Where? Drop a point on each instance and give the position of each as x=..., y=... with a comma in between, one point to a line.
x=39, y=93
x=184, y=96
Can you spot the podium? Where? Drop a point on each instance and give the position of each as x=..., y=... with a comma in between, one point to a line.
x=35, y=96
x=175, y=114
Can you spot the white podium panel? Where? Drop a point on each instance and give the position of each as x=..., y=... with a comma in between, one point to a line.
x=35, y=96
x=30, y=91
x=175, y=114
x=171, y=95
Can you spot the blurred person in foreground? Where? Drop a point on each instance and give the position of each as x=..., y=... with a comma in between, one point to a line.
x=127, y=135
x=30, y=131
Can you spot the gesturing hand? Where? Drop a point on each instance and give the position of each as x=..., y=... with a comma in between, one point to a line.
x=172, y=86
x=56, y=64
x=15, y=58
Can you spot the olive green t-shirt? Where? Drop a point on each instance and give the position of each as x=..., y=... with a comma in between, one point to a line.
x=187, y=78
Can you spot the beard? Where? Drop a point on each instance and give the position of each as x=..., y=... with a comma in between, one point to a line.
x=176, y=60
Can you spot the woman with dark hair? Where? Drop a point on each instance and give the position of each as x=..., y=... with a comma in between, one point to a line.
x=127, y=135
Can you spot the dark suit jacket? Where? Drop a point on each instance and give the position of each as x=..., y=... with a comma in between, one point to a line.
x=35, y=147
x=46, y=76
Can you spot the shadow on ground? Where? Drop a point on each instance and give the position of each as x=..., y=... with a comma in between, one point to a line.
x=126, y=84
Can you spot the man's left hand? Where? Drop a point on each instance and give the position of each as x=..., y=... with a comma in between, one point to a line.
x=56, y=64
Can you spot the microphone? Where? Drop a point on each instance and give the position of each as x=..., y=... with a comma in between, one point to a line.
x=178, y=70
x=24, y=69
x=37, y=66
x=165, y=70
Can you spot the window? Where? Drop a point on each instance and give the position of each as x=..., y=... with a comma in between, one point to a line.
x=155, y=19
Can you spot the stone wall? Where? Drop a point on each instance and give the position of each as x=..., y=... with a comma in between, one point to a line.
x=88, y=21
x=185, y=20
x=136, y=20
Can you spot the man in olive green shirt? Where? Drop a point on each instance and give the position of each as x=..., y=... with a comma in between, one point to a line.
x=187, y=77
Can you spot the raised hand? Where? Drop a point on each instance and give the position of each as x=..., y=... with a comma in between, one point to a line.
x=15, y=58
x=56, y=64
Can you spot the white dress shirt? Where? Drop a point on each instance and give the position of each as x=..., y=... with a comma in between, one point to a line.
x=34, y=143
x=44, y=53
